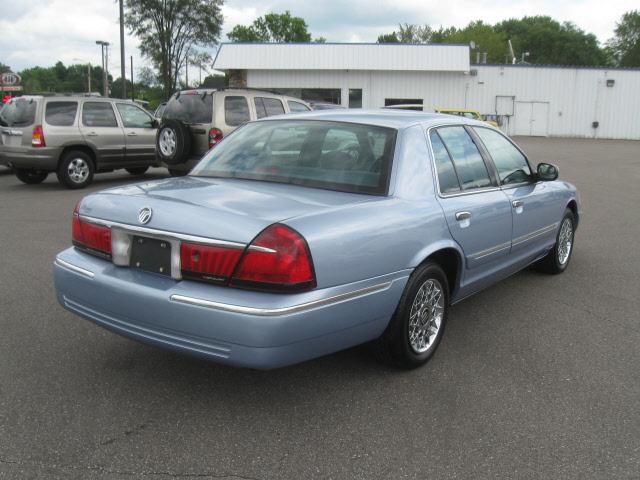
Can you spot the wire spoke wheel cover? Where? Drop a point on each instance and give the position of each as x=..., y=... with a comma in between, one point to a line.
x=425, y=317
x=565, y=241
x=78, y=170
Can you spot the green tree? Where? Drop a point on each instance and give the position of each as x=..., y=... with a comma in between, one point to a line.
x=168, y=29
x=273, y=27
x=625, y=45
x=408, y=33
x=551, y=42
x=61, y=79
x=484, y=36
x=4, y=68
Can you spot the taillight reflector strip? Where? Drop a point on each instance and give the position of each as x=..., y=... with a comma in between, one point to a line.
x=208, y=263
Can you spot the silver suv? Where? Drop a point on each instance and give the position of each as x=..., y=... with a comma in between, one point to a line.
x=75, y=137
x=194, y=121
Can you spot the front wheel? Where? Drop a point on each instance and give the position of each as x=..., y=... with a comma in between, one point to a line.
x=175, y=172
x=31, y=177
x=76, y=170
x=558, y=257
x=415, y=331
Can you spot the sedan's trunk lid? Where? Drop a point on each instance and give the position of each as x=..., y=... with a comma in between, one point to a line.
x=224, y=209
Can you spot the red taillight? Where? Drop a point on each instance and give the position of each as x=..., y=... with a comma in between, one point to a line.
x=282, y=261
x=94, y=238
x=37, y=138
x=215, y=135
x=208, y=263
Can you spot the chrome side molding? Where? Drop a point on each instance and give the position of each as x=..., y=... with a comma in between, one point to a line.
x=270, y=312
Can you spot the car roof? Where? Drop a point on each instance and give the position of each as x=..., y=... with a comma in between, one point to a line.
x=390, y=118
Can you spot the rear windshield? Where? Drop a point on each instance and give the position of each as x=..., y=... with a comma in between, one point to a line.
x=19, y=112
x=190, y=108
x=332, y=155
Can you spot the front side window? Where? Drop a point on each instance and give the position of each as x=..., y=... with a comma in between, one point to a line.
x=98, y=114
x=133, y=117
x=447, y=177
x=469, y=165
x=332, y=155
x=60, y=114
x=511, y=164
x=297, y=106
x=236, y=111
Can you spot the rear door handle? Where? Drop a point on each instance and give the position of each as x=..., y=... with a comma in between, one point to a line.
x=132, y=134
x=460, y=216
x=92, y=134
x=517, y=203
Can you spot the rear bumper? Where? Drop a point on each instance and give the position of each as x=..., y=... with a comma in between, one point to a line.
x=45, y=158
x=231, y=326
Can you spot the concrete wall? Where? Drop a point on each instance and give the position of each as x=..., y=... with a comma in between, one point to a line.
x=530, y=100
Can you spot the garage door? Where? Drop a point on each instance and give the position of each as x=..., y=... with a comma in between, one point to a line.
x=531, y=118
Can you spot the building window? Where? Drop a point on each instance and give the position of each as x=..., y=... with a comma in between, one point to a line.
x=355, y=98
x=322, y=95
x=404, y=103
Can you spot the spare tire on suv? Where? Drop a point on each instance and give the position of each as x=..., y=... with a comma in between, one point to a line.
x=173, y=142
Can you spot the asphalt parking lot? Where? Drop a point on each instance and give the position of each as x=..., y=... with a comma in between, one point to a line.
x=537, y=377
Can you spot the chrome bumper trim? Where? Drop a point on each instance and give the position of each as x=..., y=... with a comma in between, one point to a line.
x=164, y=234
x=270, y=312
x=74, y=268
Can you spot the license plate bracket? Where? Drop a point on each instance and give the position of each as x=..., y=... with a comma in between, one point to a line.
x=151, y=254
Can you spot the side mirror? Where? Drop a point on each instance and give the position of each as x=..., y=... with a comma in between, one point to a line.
x=547, y=172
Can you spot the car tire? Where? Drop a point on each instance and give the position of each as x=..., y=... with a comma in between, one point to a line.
x=137, y=170
x=557, y=260
x=175, y=172
x=417, y=326
x=31, y=177
x=76, y=170
x=173, y=142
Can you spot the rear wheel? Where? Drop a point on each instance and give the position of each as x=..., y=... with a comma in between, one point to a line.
x=558, y=257
x=76, y=170
x=414, y=332
x=137, y=170
x=31, y=177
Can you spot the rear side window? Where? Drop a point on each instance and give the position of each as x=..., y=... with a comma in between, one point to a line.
x=261, y=111
x=447, y=177
x=98, y=114
x=190, y=108
x=236, y=111
x=60, y=114
x=273, y=106
x=511, y=164
x=468, y=163
x=20, y=112
x=297, y=106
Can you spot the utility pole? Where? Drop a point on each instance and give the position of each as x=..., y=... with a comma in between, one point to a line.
x=186, y=61
x=122, y=74
x=133, y=88
x=105, y=65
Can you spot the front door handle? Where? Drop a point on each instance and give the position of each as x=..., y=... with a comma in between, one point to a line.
x=460, y=216
x=517, y=203
x=132, y=134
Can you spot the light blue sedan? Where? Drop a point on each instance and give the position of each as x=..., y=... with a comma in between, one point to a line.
x=303, y=235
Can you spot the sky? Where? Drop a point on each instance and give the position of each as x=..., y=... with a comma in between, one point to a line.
x=41, y=32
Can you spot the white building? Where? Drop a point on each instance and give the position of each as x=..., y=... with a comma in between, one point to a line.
x=526, y=99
